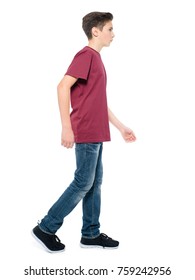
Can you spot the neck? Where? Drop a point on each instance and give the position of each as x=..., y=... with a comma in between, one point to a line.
x=94, y=46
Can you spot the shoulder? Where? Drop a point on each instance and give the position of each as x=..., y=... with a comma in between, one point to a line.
x=84, y=52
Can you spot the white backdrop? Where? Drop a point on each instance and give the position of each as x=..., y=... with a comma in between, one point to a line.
x=147, y=193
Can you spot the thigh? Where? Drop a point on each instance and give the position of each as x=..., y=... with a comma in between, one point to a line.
x=87, y=159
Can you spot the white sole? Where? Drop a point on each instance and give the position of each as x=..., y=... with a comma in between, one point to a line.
x=96, y=246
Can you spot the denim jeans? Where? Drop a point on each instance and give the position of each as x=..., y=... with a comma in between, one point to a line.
x=86, y=186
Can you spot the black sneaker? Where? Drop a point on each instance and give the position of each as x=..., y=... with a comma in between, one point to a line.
x=50, y=241
x=102, y=241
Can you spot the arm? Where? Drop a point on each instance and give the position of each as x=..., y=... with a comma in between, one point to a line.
x=63, y=89
x=127, y=134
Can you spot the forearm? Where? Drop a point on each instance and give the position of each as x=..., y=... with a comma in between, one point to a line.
x=115, y=121
x=126, y=132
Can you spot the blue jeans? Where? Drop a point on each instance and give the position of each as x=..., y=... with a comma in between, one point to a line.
x=87, y=186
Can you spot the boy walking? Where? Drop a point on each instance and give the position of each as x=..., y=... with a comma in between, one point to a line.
x=87, y=126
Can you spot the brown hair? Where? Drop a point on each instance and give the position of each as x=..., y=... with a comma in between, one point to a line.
x=95, y=19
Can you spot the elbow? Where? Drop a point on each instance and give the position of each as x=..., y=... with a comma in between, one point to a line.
x=60, y=88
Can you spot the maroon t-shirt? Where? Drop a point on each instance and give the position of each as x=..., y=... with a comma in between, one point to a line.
x=89, y=116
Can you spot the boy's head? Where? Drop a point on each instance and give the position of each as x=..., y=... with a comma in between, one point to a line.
x=95, y=19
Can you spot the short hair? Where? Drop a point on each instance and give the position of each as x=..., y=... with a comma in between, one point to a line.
x=95, y=19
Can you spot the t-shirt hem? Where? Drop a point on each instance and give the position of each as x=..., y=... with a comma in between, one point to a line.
x=91, y=141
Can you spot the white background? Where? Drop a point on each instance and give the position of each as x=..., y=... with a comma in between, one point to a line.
x=147, y=193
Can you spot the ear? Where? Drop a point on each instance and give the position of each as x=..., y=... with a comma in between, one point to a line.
x=95, y=31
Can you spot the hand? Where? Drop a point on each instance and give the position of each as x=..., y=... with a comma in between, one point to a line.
x=67, y=138
x=128, y=135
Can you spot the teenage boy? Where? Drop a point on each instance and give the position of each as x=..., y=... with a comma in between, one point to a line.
x=87, y=126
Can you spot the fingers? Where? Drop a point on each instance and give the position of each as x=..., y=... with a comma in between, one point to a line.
x=131, y=137
x=130, y=140
x=67, y=145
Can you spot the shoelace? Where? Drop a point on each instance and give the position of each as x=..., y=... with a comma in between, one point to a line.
x=56, y=238
x=103, y=235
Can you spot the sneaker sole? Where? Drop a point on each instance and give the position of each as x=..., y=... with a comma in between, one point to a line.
x=45, y=247
x=96, y=246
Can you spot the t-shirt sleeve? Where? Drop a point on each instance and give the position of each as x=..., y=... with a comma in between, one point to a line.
x=80, y=66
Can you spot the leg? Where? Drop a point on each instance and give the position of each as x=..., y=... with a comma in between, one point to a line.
x=86, y=160
x=92, y=202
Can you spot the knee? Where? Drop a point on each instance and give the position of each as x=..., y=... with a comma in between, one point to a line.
x=83, y=183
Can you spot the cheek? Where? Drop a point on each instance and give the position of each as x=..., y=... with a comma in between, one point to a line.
x=107, y=36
